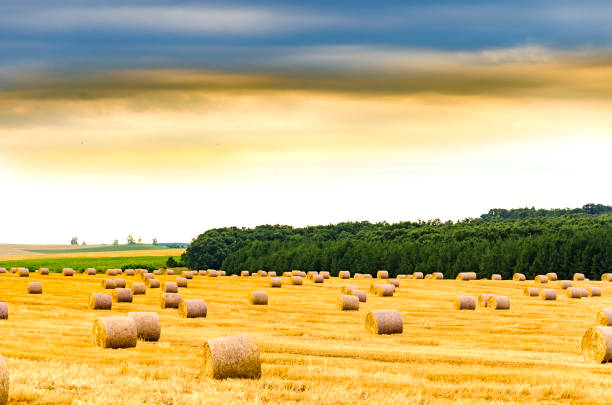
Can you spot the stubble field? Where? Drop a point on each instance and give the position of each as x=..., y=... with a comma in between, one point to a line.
x=311, y=352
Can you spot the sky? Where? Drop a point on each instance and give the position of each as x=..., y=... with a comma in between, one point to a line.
x=167, y=118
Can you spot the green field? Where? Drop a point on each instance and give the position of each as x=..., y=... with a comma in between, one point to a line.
x=104, y=248
x=56, y=264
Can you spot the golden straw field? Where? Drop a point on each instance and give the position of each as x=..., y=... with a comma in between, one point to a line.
x=311, y=352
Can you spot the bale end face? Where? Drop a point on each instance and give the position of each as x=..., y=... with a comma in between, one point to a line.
x=384, y=322
x=518, y=277
x=483, y=299
x=597, y=344
x=604, y=317
x=232, y=357
x=498, y=302
x=115, y=332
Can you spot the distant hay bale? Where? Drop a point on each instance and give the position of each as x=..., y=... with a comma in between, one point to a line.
x=258, y=298
x=384, y=322
x=318, y=279
x=43, y=271
x=519, y=277
x=385, y=290
x=276, y=282
x=112, y=272
x=578, y=277
x=394, y=281
x=170, y=272
x=604, y=317
x=68, y=272
x=531, y=291
x=152, y=283
x=498, y=302
x=140, y=271
x=584, y=292
x=401, y=276
x=566, y=284
x=548, y=294
x=4, y=382
x=90, y=272
x=541, y=279
x=145, y=276
x=594, y=291
x=438, y=275
x=552, y=276
x=496, y=277
x=244, y=273
x=271, y=274
x=203, y=273
x=417, y=275
x=148, y=325
x=212, y=273
x=115, y=332
x=3, y=310
x=428, y=276
x=192, y=309
x=122, y=295
x=346, y=288
x=359, y=294
x=181, y=282
x=373, y=288
x=296, y=280
x=100, y=301
x=483, y=299
x=13, y=269
x=604, y=277
x=157, y=272
x=410, y=276
x=138, y=288
x=311, y=274
x=597, y=344
x=465, y=302
x=221, y=273
x=232, y=357
x=23, y=272
x=348, y=303
x=3, y=270
x=382, y=274
x=35, y=287
x=169, y=287
x=170, y=300
x=119, y=283
x=325, y=274
x=344, y=274
x=187, y=274
x=573, y=292
x=108, y=283
x=466, y=276
x=130, y=272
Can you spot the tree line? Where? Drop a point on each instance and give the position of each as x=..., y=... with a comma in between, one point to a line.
x=522, y=240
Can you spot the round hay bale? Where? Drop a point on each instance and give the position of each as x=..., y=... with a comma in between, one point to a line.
x=157, y=272
x=3, y=270
x=296, y=280
x=271, y=274
x=43, y=271
x=325, y=274
x=311, y=274
x=203, y=273
x=346, y=288
x=594, y=291
x=111, y=272
x=465, y=302
x=385, y=290
x=170, y=300
x=573, y=292
x=345, y=274
x=90, y=272
x=382, y=274
x=373, y=288
x=318, y=279
x=604, y=277
x=23, y=272
x=466, y=276
x=244, y=273
x=518, y=277
x=394, y=281
x=3, y=310
x=531, y=291
x=152, y=283
x=551, y=276
x=68, y=272
x=384, y=322
x=578, y=277
x=4, y=382
x=115, y=332
x=541, y=279
x=187, y=274
x=604, y=317
x=100, y=301
x=438, y=276
x=498, y=302
x=148, y=325
x=170, y=272
x=401, y=276
x=584, y=292
x=287, y=274
x=565, y=284
x=13, y=269
x=108, y=283
x=548, y=294
x=212, y=273
x=145, y=276
x=232, y=357
x=122, y=295
x=258, y=298
x=169, y=287
x=348, y=303
x=119, y=283
x=428, y=276
x=192, y=309
x=597, y=344
x=181, y=282
x=138, y=288
x=276, y=282
x=496, y=277
x=130, y=272
x=359, y=294
x=417, y=275
x=483, y=299
x=35, y=287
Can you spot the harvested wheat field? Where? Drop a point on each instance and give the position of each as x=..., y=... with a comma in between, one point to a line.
x=311, y=352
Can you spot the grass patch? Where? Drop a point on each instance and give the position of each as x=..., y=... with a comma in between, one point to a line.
x=104, y=248
x=56, y=264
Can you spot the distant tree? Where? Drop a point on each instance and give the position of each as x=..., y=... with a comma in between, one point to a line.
x=74, y=241
x=131, y=240
x=172, y=263
x=84, y=243
x=155, y=241
x=116, y=242
x=139, y=239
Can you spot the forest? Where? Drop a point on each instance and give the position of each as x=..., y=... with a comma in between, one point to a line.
x=501, y=241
